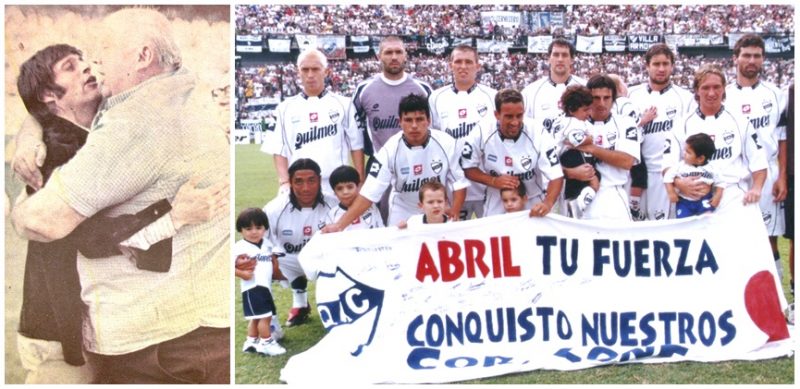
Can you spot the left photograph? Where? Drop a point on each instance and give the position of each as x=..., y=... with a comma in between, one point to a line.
x=117, y=164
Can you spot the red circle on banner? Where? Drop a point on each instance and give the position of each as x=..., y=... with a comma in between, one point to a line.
x=763, y=306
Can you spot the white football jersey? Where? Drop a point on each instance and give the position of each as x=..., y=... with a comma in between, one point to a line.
x=543, y=99
x=458, y=112
x=314, y=127
x=262, y=274
x=617, y=133
x=291, y=227
x=406, y=168
x=762, y=104
x=705, y=173
x=739, y=150
x=527, y=157
x=371, y=218
x=672, y=104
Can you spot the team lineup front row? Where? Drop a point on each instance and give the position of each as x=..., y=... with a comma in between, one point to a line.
x=584, y=148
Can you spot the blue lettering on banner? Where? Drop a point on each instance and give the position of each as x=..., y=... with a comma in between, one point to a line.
x=620, y=328
x=639, y=258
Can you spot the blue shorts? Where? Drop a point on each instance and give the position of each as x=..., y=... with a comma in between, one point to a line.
x=258, y=303
x=685, y=208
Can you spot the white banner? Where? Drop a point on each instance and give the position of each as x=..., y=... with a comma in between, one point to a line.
x=501, y=18
x=492, y=46
x=305, y=41
x=509, y=293
x=589, y=44
x=279, y=45
x=539, y=44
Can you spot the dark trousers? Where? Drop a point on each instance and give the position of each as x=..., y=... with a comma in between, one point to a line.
x=199, y=357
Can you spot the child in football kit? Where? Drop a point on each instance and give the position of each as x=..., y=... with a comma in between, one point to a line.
x=345, y=183
x=515, y=199
x=433, y=202
x=573, y=131
x=697, y=151
x=263, y=332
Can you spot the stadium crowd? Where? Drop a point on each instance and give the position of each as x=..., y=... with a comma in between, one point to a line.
x=465, y=20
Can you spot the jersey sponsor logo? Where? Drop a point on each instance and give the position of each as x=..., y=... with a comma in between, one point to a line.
x=767, y=104
x=404, y=170
x=526, y=162
x=466, y=152
x=375, y=168
x=509, y=161
x=414, y=185
x=492, y=157
x=631, y=133
x=313, y=117
x=334, y=115
x=656, y=127
x=575, y=136
x=745, y=108
x=758, y=123
x=263, y=258
x=287, y=232
x=462, y=113
x=461, y=131
x=307, y=230
x=526, y=176
x=436, y=166
x=417, y=169
x=314, y=134
x=483, y=110
x=722, y=153
x=385, y=123
x=294, y=248
x=552, y=156
x=728, y=136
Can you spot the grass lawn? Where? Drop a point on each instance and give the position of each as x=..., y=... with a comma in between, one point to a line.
x=256, y=184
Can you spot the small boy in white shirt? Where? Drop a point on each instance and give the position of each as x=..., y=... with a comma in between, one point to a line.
x=697, y=151
x=433, y=202
x=259, y=307
x=514, y=200
x=346, y=183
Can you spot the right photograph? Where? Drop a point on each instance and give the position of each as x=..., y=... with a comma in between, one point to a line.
x=514, y=194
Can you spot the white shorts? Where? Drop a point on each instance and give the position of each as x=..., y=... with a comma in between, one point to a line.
x=290, y=268
x=772, y=212
x=610, y=203
x=43, y=360
x=655, y=200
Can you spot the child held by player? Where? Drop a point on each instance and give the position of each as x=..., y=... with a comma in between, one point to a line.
x=433, y=202
x=514, y=199
x=263, y=332
x=697, y=150
x=346, y=183
x=573, y=131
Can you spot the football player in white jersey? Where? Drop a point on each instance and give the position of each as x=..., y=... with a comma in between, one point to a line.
x=739, y=158
x=762, y=103
x=458, y=108
x=542, y=96
x=408, y=160
x=509, y=154
x=314, y=124
x=661, y=105
x=294, y=218
x=614, y=142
